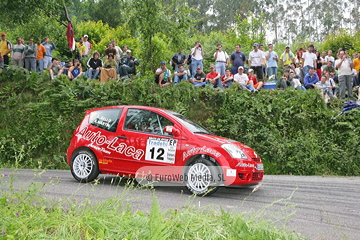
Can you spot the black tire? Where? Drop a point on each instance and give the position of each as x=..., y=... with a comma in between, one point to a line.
x=84, y=165
x=202, y=177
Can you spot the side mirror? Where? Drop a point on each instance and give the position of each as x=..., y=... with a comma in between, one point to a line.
x=172, y=130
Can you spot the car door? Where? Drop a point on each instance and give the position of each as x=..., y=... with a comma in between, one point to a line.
x=145, y=142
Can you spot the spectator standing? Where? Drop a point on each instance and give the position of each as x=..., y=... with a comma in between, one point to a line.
x=237, y=59
x=356, y=64
x=1, y=62
x=40, y=54
x=80, y=48
x=180, y=74
x=299, y=52
x=49, y=46
x=309, y=60
x=256, y=58
x=94, y=65
x=323, y=60
x=129, y=65
x=88, y=45
x=213, y=77
x=227, y=78
x=18, y=53
x=329, y=57
x=110, y=50
x=179, y=59
x=271, y=62
x=30, y=55
x=286, y=58
x=221, y=60
x=5, y=49
x=163, y=75
x=243, y=80
x=344, y=66
x=311, y=79
x=318, y=64
x=263, y=60
x=197, y=56
x=199, y=78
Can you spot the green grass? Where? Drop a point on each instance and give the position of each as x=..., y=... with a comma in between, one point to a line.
x=26, y=214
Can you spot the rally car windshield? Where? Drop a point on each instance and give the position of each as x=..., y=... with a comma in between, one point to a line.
x=190, y=125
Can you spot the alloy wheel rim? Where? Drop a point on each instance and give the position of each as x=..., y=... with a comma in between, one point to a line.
x=83, y=165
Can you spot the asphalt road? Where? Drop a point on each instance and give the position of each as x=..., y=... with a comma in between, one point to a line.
x=316, y=207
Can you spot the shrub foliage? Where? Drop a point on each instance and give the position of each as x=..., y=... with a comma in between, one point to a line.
x=293, y=131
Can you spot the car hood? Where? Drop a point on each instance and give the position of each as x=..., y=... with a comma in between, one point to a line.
x=220, y=140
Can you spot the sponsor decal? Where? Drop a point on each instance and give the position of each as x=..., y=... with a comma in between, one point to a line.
x=231, y=172
x=248, y=165
x=203, y=149
x=101, y=143
x=105, y=161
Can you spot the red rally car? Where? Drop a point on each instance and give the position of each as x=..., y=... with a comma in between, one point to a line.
x=162, y=144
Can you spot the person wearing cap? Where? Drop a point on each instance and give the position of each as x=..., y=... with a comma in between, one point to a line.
x=256, y=58
x=286, y=58
x=344, y=65
x=18, y=53
x=311, y=78
x=80, y=48
x=199, y=78
x=30, y=55
x=221, y=59
x=163, y=75
x=5, y=48
x=88, y=45
x=309, y=60
x=49, y=46
x=243, y=80
x=40, y=54
x=129, y=65
x=197, y=56
x=252, y=77
x=271, y=62
x=94, y=65
x=237, y=59
x=180, y=74
x=109, y=69
x=213, y=77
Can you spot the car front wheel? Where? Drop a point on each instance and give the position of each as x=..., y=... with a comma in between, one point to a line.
x=202, y=177
x=84, y=167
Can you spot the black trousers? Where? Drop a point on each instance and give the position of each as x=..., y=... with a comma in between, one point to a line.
x=259, y=72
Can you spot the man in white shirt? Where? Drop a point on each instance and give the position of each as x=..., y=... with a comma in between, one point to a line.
x=329, y=58
x=243, y=80
x=221, y=59
x=256, y=58
x=88, y=45
x=344, y=65
x=309, y=59
x=197, y=56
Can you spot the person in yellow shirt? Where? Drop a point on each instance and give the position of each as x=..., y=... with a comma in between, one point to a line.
x=356, y=63
x=81, y=48
x=5, y=48
x=286, y=58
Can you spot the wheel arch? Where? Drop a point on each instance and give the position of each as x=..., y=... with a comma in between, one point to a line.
x=196, y=156
x=88, y=149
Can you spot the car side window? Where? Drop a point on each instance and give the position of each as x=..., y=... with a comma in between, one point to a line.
x=146, y=121
x=106, y=119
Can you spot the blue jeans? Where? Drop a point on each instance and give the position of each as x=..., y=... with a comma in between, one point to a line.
x=272, y=71
x=90, y=73
x=217, y=83
x=194, y=65
x=302, y=88
x=248, y=87
x=220, y=68
x=228, y=84
x=125, y=70
x=198, y=84
x=47, y=61
x=306, y=70
x=178, y=79
x=40, y=65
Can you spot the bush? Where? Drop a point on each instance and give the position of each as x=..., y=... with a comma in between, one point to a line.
x=293, y=131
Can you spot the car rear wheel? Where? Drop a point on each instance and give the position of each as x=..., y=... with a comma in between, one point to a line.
x=202, y=177
x=84, y=167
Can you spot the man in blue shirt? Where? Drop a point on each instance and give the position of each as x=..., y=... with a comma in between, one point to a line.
x=49, y=46
x=237, y=59
x=271, y=62
x=311, y=79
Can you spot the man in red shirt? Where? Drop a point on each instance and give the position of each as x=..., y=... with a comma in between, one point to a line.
x=252, y=77
x=213, y=77
x=227, y=79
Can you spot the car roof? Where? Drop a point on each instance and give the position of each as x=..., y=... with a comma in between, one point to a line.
x=127, y=106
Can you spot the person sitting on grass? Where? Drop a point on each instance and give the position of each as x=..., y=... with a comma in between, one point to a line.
x=55, y=68
x=199, y=78
x=227, y=79
x=213, y=77
x=109, y=69
x=94, y=65
x=326, y=91
x=330, y=81
x=295, y=81
x=252, y=77
x=243, y=80
x=311, y=79
x=68, y=65
x=75, y=71
x=163, y=75
x=284, y=82
x=180, y=74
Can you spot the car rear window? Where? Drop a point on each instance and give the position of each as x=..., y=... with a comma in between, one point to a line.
x=106, y=119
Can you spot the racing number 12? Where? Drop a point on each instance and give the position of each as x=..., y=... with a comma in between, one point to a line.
x=161, y=152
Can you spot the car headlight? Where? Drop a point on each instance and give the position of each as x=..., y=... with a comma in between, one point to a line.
x=234, y=151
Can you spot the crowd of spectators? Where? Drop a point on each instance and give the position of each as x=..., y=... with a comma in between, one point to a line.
x=306, y=69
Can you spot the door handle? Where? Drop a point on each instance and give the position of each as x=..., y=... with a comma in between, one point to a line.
x=123, y=137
